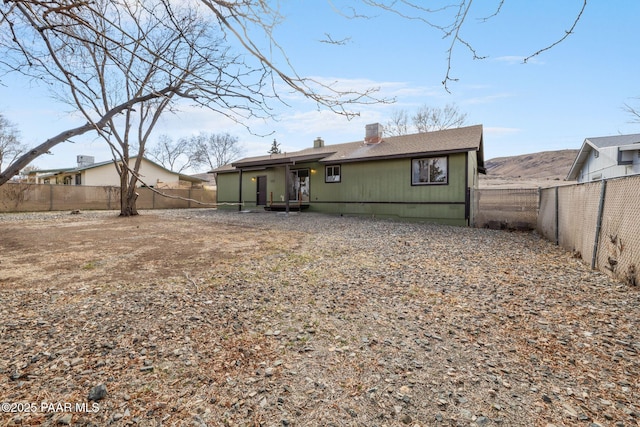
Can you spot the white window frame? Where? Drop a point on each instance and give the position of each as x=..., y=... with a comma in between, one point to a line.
x=332, y=177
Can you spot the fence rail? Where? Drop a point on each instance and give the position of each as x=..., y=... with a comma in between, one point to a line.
x=20, y=197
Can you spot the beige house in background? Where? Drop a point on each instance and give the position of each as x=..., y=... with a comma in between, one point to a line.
x=89, y=173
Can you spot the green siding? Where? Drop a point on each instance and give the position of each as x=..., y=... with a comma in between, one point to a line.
x=375, y=188
x=227, y=190
x=383, y=188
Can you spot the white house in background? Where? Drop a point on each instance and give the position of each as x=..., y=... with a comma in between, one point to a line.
x=606, y=157
x=89, y=173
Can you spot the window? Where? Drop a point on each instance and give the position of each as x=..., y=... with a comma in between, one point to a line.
x=332, y=173
x=625, y=157
x=429, y=170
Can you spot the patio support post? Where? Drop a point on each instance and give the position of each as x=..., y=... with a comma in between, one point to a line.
x=240, y=191
x=286, y=188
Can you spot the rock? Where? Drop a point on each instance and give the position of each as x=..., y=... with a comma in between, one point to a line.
x=97, y=393
x=65, y=420
x=466, y=414
x=569, y=411
x=400, y=335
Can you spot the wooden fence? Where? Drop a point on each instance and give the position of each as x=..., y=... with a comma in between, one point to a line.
x=20, y=197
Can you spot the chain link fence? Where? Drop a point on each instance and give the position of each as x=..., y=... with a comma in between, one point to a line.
x=20, y=197
x=598, y=221
x=506, y=209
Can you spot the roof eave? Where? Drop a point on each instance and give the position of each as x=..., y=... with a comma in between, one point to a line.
x=292, y=160
x=580, y=159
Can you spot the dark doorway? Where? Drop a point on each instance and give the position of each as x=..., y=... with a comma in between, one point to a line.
x=261, y=191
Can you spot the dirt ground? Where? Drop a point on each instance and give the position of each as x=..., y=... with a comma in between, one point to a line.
x=198, y=318
x=109, y=249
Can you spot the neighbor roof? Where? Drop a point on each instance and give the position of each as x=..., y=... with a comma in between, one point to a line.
x=52, y=172
x=596, y=143
x=427, y=143
x=614, y=141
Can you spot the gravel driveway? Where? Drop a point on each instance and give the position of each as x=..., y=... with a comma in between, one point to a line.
x=205, y=318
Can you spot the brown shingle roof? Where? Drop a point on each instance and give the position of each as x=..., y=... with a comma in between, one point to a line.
x=427, y=143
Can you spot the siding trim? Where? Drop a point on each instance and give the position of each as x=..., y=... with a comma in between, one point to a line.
x=313, y=202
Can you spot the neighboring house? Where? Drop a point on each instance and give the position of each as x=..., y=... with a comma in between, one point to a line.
x=606, y=157
x=425, y=176
x=208, y=180
x=105, y=174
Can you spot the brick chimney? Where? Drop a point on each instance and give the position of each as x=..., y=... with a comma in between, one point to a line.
x=373, y=133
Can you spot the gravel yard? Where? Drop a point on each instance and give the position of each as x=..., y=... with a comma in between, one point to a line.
x=205, y=318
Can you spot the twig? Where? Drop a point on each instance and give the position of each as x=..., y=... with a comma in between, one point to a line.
x=195, y=285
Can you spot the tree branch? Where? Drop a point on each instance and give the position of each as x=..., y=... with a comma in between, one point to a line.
x=32, y=154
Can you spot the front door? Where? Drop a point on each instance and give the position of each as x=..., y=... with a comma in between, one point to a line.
x=261, y=191
x=299, y=185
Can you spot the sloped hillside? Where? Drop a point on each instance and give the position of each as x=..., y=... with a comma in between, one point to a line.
x=544, y=169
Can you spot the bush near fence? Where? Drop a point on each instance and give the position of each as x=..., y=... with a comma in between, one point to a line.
x=21, y=197
x=598, y=221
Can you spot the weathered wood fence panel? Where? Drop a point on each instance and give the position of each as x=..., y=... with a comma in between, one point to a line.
x=20, y=197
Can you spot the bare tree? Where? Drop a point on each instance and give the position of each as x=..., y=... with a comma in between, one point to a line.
x=173, y=155
x=451, y=18
x=398, y=124
x=633, y=112
x=41, y=38
x=24, y=173
x=10, y=146
x=130, y=49
x=426, y=119
x=214, y=149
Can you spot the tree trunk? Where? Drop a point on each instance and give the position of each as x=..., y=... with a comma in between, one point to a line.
x=128, y=206
x=128, y=195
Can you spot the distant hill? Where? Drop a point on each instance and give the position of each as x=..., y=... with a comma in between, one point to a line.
x=544, y=169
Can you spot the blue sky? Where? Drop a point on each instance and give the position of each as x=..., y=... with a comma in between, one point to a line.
x=555, y=101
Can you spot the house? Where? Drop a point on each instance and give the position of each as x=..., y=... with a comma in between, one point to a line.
x=606, y=157
x=87, y=172
x=208, y=180
x=424, y=176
